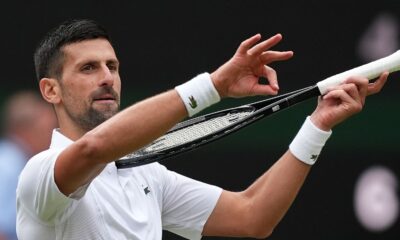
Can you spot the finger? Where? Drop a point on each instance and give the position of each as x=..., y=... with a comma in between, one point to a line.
x=272, y=56
x=362, y=86
x=344, y=99
x=248, y=43
x=377, y=86
x=336, y=94
x=341, y=97
x=363, y=91
x=350, y=89
x=354, y=91
x=265, y=45
x=270, y=74
x=354, y=80
x=262, y=89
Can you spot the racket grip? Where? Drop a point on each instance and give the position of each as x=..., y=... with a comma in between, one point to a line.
x=370, y=70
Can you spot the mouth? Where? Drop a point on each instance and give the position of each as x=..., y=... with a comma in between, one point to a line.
x=105, y=98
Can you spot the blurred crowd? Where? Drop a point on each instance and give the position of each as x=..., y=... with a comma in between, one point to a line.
x=27, y=122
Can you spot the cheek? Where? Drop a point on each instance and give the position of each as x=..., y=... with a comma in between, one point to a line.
x=117, y=86
x=118, y=89
x=77, y=91
x=118, y=82
x=75, y=99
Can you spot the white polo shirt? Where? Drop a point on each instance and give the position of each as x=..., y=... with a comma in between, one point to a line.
x=134, y=203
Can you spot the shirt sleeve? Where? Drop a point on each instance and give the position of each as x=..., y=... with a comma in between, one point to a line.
x=38, y=193
x=187, y=204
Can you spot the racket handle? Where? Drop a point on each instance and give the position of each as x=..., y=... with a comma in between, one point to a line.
x=370, y=70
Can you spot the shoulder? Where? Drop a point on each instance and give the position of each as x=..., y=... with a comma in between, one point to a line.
x=41, y=160
x=38, y=166
x=37, y=191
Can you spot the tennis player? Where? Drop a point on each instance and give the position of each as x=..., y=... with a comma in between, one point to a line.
x=74, y=191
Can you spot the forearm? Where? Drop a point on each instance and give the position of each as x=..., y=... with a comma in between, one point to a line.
x=127, y=131
x=274, y=192
x=277, y=188
x=257, y=210
x=138, y=125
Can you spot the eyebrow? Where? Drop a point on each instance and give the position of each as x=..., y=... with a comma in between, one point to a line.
x=114, y=61
x=88, y=61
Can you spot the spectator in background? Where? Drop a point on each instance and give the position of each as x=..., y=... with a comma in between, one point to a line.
x=27, y=123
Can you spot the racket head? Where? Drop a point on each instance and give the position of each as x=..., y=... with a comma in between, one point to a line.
x=195, y=132
x=187, y=135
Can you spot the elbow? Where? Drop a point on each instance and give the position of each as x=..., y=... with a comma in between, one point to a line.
x=264, y=234
x=261, y=232
x=259, y=228
x=90, y=148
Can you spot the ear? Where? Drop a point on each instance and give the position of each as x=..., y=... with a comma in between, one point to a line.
x=50, y=89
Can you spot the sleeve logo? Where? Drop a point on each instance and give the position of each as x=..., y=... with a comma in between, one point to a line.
x=193, y=102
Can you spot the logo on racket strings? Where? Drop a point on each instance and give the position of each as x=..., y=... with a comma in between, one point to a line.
x=193, y=102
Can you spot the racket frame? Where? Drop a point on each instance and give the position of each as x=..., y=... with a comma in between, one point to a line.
x=260, y=110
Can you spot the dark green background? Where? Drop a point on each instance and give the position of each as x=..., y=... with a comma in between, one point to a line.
x=163, y=43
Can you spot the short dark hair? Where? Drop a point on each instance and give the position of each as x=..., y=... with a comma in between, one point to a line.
x=48, y=56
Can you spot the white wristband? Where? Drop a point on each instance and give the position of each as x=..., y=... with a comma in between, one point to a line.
x=308, y=143
x=198, y=93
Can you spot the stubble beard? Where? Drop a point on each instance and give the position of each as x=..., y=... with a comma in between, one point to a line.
x=93, y=117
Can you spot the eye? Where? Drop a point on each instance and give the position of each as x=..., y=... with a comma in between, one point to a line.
x=112, y=66
x=88, y=68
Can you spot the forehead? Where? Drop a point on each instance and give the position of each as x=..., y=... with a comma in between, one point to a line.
x=93, y=49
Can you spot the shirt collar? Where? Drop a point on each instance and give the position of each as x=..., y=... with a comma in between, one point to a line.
x=58, y=140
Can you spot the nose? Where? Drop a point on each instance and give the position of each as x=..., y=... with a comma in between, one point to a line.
x=107, y=78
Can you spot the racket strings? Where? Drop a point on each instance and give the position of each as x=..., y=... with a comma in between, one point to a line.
x=192, y=133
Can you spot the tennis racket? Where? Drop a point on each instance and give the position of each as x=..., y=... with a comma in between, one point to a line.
x=198, y=131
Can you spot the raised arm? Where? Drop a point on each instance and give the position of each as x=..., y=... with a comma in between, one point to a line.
x=125, y=132
x=256, y=211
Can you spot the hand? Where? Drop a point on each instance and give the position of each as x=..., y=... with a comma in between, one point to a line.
x=239, y=76
x=345, y=100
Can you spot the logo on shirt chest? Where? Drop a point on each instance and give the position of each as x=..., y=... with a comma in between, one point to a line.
x=146, y=189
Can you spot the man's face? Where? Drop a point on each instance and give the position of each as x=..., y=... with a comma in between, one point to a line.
x=90, y=82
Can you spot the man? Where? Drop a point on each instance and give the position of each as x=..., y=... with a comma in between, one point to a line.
x=27, y=123
x=74, y=191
